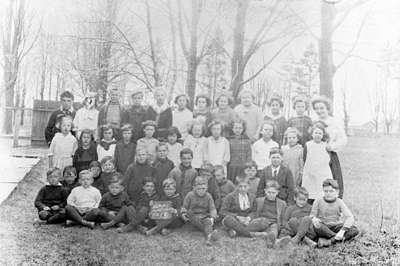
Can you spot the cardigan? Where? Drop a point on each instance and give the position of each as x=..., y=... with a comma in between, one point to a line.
x=285, y=180
x=280, y=209
x=231, y=206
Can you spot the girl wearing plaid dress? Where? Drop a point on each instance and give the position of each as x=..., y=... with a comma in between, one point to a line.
x=300, y=121
x=240, y=150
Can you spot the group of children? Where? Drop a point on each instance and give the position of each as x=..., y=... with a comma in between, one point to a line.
x=215, y=172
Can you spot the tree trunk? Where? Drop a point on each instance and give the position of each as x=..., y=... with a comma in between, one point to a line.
x=326, y=66
x=192, y=59
x=237, y=61
x=153, y=55
x=173, y=50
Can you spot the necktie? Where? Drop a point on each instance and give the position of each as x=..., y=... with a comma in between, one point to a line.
x=275, y=173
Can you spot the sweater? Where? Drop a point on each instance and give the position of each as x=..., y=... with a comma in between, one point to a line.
x=201, y=206
x=124, y=155
x=161, y=170
x=332, y=213
x=110, y=202
x=69, y=187
x=184, y=178
x=50, y=195
x=253, y=185
x=102, y=182
x=262, y=210
x=176, y=201
x=231, y=206
x=294, y=211
x=81, y=197
x=133, y=179
x=144, y=199
x=83, y=157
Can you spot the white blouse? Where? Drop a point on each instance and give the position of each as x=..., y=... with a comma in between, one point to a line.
x=337, y=135
x=86, y=119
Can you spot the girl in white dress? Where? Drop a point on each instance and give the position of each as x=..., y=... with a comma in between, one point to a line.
x=107, y=144
x=195, y=141
x=63, y=145
x=316, y=162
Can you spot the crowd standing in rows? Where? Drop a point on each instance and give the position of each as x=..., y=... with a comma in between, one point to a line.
x=154, y=168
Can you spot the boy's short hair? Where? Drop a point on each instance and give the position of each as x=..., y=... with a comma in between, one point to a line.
x=67, y=94
x=106, y=159
x=272, y=184
x=106, y=127
x=161, y=144
x=169, y=182
x=85, y=172
x=116, y=178
x=148, y=179
x=200, y=180
x=207, y=168
x=250, y=164
x=275, y=151
x=330, y=182
x=219, y=168
x=126, y=127
x=186, y=151
x=68, y=170
x=53, y=170
x=174, y=131
x=95, y=164
x=150, y=123
x=301, y=191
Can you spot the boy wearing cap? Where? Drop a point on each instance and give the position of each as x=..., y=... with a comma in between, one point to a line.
x=249, y=112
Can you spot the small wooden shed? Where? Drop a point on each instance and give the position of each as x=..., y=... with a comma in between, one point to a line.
x=40, y=116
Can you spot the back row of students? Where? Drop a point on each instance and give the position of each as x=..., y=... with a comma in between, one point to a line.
x=255, y=207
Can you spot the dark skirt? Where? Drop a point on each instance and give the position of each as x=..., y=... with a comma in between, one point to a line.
x=234, y=171
x=336, y=170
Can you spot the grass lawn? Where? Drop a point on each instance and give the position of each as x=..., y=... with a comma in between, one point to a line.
x=372, y=186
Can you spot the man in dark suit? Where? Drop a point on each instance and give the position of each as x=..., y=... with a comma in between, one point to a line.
x=283, y=175
x=66, y=109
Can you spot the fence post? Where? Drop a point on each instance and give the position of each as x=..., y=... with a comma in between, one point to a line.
x=17, y=118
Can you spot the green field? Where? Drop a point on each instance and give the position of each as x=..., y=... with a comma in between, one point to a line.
x=371, y=172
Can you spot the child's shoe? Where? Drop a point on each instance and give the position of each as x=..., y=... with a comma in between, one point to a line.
x=165, y=231
x=127, y=228
x=88, y=224
x=283, y=242
x=309, y=242
x=108, y=225
x=232, y=233
x=271, y=238
x=323, y=242
x=70, y=223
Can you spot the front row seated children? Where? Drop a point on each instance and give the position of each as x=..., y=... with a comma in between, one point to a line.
x=136, y=217
x=297, y=220
x=173, y=220
x=276, y=171
x=225, y=186
x=162, y=165
x=51, y=199
x=198, y=208
x=184, y=174
x=69, y=178
x=83, y=202
x=331, y=218
x=113, y=202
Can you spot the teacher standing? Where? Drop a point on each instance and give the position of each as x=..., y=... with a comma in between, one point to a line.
x=337, y=136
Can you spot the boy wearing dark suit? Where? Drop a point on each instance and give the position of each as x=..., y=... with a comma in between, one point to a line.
x=276, y=171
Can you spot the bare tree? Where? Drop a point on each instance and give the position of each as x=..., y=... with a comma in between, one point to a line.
x=18, y=39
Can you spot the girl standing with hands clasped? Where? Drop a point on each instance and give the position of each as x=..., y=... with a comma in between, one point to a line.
x=316, y=162
x=63, y=145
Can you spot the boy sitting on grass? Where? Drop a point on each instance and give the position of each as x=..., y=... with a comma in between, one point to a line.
x=69, y=178
x=297, y=220
x=199, y=209
x=51, y=199
x=138, y=217
x=83, y=202
x=225, y=186
x=207, y=171
x=332, y=220
x=174, y=199
x=113, y=202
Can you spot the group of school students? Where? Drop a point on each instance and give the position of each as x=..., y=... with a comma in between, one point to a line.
x=210, y=168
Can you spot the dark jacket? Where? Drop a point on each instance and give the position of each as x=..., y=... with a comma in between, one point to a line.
x=184, y=179
x=213, y=189
x=136, y=116
x=285, y=180
x=231, y=206
x=124, y=155
x=82, y=158
x=161, y=171
x=110, y=202
x=51, y=129
x=134, y=177
x=144, y=199
x=102, y=119
x=69, y=187
x=49, y=196
x=163, y=120
x=102, y=182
